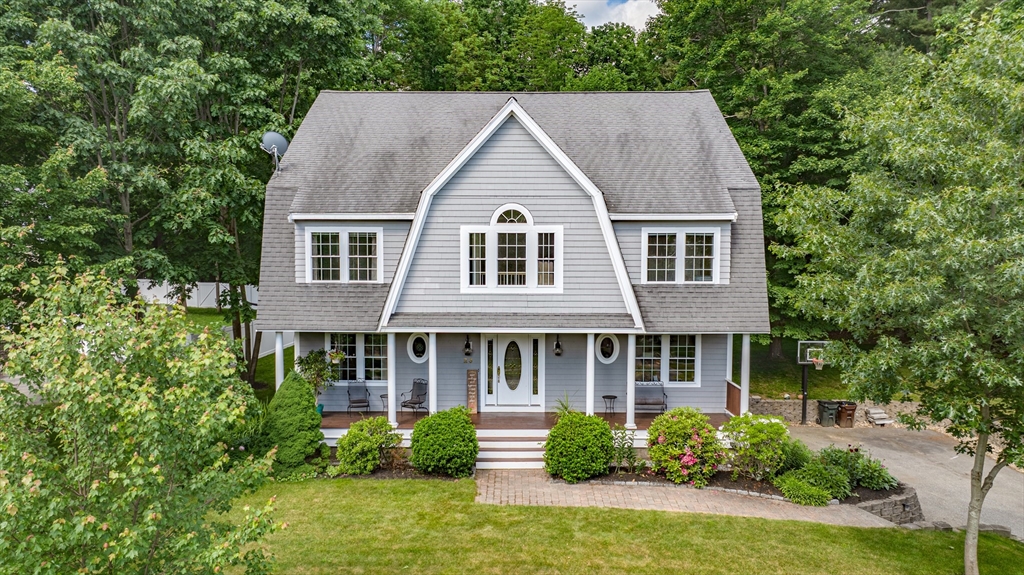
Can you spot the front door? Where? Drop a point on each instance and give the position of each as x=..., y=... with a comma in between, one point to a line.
x=514, y=370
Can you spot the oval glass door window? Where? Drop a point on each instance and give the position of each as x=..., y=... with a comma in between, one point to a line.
x=513, y=365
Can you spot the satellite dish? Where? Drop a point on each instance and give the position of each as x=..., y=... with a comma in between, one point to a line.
x=276, y=145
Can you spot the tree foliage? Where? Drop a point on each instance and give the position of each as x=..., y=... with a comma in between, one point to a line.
x=920, y=259
x=119, y=465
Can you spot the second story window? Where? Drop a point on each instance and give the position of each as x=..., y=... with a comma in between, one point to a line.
x=680, y=255
x=512, y=254
x=343, y=254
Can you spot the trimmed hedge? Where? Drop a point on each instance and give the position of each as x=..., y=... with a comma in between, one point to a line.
x=445, y=443
x=293, y=426
x=683, y=445
x=366, y=446
x=578, y=447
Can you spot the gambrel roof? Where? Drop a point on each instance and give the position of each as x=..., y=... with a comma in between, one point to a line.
x=372, y=155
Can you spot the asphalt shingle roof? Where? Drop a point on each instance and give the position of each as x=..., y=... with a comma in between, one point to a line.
x=649, y=153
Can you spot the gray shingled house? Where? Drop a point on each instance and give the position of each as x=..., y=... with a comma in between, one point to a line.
x=515, y=249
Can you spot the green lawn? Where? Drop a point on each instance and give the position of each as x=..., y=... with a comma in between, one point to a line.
x=265, y=372
x=417, y=526
x=772, y=378
x=203, y=317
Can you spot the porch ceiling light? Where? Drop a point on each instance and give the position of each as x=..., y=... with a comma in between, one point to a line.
x=558, y=345
x=468, y=349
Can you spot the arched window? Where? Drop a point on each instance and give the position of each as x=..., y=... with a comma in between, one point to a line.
x=512, y=253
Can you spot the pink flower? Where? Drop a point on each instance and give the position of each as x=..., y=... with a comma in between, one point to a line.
x=686, y=471
x=661, y=439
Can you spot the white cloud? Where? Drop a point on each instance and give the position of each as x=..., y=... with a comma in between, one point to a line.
x=632, y=12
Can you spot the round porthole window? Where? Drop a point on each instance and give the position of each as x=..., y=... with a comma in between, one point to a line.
x=607, y=348
x=417, y=347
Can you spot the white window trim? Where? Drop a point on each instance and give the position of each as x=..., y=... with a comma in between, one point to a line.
x=408, y=348
x=680, y=233
x=343, y=232
x=615, y=348
x=491, y=233
x=360, y=359
x=666, y=359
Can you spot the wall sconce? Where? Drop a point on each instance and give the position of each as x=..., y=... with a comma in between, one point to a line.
x=468, y=349
x=558, y=345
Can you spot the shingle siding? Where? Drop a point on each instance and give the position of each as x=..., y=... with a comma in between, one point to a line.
x=512, y=167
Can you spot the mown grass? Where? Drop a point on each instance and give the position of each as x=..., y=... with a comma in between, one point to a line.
x=773, y=378
x=203, y=317
x=265, y=373
x=417, y=526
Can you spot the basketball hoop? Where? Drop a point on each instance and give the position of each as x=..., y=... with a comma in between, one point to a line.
x=818, y=363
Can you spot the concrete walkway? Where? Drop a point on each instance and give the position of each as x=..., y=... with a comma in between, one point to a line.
x=534, y=487
x=926, y=461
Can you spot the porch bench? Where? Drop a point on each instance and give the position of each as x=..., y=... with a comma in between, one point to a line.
x=651, y=394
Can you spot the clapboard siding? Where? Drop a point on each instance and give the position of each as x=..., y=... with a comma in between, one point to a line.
x=512, y=167
x=630, y=238
x=395, y=233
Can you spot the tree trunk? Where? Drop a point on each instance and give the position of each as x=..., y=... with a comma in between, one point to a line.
x=255, y=358
x=980, y=486
x=236, y=314
x=775, y=349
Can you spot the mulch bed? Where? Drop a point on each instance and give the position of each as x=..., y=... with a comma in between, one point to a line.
x=723, y=479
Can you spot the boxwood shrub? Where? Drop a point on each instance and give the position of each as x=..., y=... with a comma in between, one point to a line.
x=757, y=442
x=683, y=445
x=445, y=443
x=578, y=447
x=293, y=426
x=366, y=446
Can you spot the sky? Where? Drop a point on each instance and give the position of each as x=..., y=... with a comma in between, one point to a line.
x=632, y=12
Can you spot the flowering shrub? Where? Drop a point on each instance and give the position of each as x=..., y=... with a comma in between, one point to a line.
x=683, y=445
x=757, y=443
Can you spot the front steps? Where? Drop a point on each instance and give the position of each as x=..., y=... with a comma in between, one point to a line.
x=511, y=448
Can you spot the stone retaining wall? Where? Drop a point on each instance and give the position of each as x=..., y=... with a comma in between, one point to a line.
x=899, y=509
x=789, y=409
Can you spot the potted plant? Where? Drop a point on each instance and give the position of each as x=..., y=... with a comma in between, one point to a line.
x=314, y=367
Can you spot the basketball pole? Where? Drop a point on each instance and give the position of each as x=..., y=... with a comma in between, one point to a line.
x=803, y=388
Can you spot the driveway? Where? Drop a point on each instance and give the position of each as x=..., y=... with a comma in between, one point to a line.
x=926, y=461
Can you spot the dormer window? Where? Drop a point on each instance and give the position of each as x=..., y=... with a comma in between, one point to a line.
x=343, y=254
x=680, y=255
x=512, y=254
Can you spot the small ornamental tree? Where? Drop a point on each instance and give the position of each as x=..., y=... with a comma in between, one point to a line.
x=121, y=465
x=293, y=427
x=920, y=260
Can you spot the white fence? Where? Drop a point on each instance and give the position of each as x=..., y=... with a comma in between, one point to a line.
x=204, y=295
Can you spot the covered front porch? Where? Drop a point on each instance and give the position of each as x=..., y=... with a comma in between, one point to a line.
x=516, y=380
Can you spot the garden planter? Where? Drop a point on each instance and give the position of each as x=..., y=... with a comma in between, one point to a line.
x=320, y=408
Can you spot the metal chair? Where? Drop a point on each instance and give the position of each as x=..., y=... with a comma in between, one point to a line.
x=358, y=396
x=417, y=396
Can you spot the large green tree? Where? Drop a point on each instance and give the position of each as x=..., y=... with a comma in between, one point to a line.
x=765, y=62
x=921, y=259
x=116, y=461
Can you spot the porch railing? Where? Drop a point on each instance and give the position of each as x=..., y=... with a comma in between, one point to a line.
x=732, y=398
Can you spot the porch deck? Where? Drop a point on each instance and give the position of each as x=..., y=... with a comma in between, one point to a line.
x=406, y=419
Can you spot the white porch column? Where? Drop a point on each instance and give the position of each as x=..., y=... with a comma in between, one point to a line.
x=728, y=357
x=590, y=374
x=631, y=382
x=278, y=358
x=432, y=373
x=392, y=379
x=745, y=375
x=296, y=352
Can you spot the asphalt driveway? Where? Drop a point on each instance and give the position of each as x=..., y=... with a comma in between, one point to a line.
x=926, y=461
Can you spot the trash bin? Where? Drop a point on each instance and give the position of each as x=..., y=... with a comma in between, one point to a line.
x=847, y=410
x=827, y=413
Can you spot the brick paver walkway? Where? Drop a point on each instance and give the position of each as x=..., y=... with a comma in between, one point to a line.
x=534, y=487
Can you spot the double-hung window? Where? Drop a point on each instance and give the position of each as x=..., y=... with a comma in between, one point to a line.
x=680, y=255
x=343, y=254
x=366, y=356
x=511, y=255
x=671, y=359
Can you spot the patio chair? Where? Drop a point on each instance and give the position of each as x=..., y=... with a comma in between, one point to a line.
x=417, y=396
x=358, y=396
